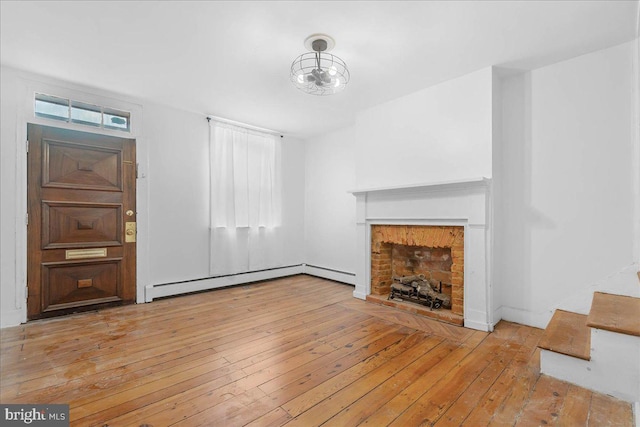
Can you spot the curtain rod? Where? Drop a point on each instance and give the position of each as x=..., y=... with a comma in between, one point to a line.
x=243, y=125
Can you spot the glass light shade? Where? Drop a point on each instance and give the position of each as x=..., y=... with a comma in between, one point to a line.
x=319, y=73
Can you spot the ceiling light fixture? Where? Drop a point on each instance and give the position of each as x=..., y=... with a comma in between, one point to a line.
x=317, y=72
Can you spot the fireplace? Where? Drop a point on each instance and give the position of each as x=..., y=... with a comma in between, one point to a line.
x=439, y=230
x=433, y=252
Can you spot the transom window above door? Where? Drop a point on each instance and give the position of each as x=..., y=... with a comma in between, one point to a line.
x=70, y=111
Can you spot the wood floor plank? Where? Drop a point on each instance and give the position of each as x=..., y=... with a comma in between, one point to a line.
x=83, y=408
x=276, y=417
x=313, y=344
x=488, y=406
x=545, y=403
x=517, y=397
x=397, y=405
x=431, y=405
x=129, y=372
x=365, y=351
x=476, y=390
x=179, y=406
x=606, y=411
x=322, y=369
x=339, y=399
x=113, y=344
x=153, y=413
x=576, y=407
x=282, y=368
x=226, y=410
x=292, y=351
x=272, y=347
x=324, y=390
x=361, y=409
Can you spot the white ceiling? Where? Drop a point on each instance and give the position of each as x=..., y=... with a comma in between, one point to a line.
x=232, y=59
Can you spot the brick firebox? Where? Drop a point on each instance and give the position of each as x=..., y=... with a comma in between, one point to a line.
x=384, y=237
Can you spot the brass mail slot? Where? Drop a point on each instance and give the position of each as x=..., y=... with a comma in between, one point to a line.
x=85, y=253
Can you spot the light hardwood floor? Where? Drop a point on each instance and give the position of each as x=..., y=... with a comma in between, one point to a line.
x=298, y=351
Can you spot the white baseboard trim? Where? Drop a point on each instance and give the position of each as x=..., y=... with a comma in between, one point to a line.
x=13, y=317
x=478, y=326
x=523, y=317
x=327, y=273
x=164, y=290
x=497, y=317
x=360, y=295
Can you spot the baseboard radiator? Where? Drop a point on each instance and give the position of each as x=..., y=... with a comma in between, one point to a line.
x=196, y=285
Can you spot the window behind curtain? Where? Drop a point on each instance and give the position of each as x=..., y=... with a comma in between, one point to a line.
x=245, y=187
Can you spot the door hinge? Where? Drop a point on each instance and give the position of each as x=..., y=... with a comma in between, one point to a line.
x=27, y=145
x=137, y=169
x=26, y=219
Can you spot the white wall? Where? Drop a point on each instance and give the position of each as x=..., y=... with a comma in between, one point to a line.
x=173, y=224
x=330, y=239
x=11, y=301
x=495, y=251
x=567, y=168
x=178, y=176
x=441, y=133
x=293, y=200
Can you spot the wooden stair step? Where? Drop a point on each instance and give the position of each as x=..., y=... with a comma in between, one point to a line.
x=615, y=313
x=567, y=333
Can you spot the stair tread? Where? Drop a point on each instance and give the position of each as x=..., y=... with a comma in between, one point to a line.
x=567, y=333
x=616, y=313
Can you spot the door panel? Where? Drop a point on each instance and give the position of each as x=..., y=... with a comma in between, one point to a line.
x=69, y=285
x=81, y=192
x=74, y=225
x=78, y=166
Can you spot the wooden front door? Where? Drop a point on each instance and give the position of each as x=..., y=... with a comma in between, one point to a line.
x=81, y=221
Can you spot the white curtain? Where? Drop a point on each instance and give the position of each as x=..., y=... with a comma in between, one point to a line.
x=245, y=200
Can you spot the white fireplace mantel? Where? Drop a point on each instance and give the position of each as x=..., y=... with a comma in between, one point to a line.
x=432, y=186
x=464, y=203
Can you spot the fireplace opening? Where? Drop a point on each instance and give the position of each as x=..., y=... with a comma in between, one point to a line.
x=419, y=269
x=422, y=275
x=433, y=263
